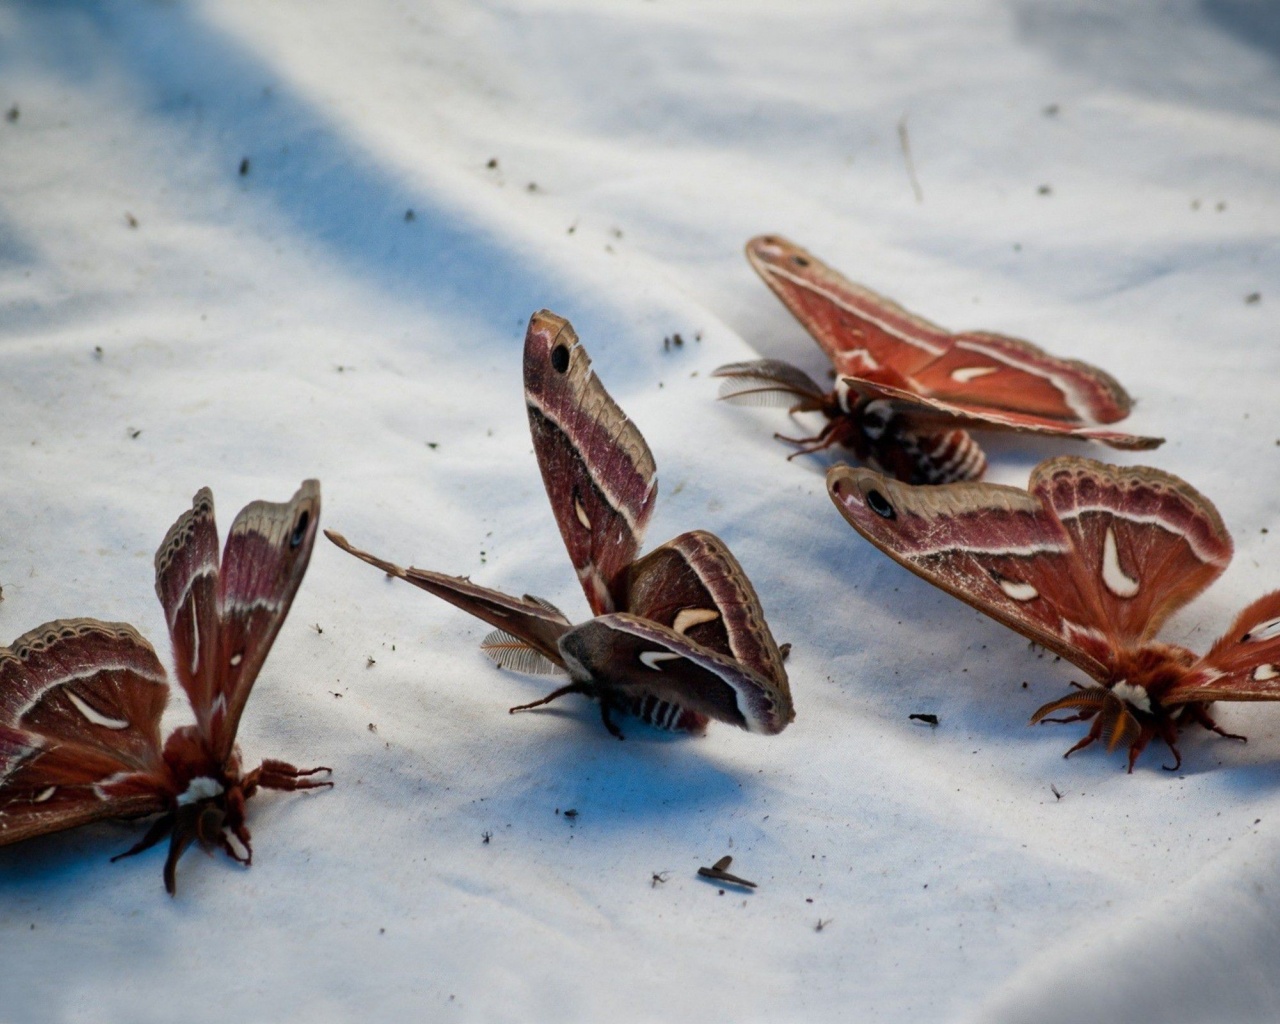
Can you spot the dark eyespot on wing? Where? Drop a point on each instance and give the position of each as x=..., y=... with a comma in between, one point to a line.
x=879, y=504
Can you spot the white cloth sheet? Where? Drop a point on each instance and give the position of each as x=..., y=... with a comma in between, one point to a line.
x=1101, y=177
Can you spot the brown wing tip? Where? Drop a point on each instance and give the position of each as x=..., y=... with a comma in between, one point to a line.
x=390, y=568
x=764, y=251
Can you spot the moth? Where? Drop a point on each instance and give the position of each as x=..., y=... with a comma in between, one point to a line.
x=907, y=391
x=678, y=637
x=81, y=700
x=1088, y=562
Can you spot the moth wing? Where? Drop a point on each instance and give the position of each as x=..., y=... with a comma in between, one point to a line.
x=980, y=369
x=47, y=785
x=95, y=684
x=80, y=707
x=925, y=410
x=853, y=325
x=535, y=622
x=1244, y=664
x=694, y=586
x=997, y=548
x=597, y=468
x=630, y=658
x=266, y=555
x=1148, y=542
x=187, y=585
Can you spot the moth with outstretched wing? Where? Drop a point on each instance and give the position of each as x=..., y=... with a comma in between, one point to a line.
x=907, y=391
x=1089, y=562
x=678, y=637
x=81, y=700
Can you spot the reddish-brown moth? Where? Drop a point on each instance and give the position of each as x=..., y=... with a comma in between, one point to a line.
x=907, y=390
x=1088, y=562
x=678, y=637
x=81, y=700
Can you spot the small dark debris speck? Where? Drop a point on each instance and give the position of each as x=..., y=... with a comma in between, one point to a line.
x=822, y=923
x=1055, y=791
x=97, y=354
x=12, y=115
x=369, y=662
x=485, y=837
x=372, y=727
x=1052, y=110
x=130, y=219
x=1253, y=298
x=570, y=813
x=433, y=445
x=409, y=215
x=659, y=877
x=493, y=163
x=135, y=433
x=925, y=718
x=244, y=166
x=531, y=187
x=1045, y=190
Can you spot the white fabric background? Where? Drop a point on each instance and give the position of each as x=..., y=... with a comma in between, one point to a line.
x=290, y=322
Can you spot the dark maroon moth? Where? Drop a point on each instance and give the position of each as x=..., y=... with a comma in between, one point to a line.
x=1089, y=562
x=678, y=636
x=81, y=700
x=906, y=389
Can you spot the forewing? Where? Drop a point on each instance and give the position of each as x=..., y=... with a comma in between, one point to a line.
x=694, y=586
x=925, y=411
x=95, y=684
x=265, y=558
x=533, y=621
x=80, y=707
x=187, y=585
x=1245, y=662
x=1148, y=541
x=597, y=469
x=997, y=548
x=630, y=658
x=993, y=371
x=852, y=324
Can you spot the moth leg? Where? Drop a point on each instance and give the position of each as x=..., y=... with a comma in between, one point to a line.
x=825, y=438
x=158, y=830
x=1200, y=713
x=1169, y=733
x=553, y=695
x=607, y=718
x=273, y=774
x=1089, y=738
x=1140, y=744
x=184, y=834
x=1082, y=716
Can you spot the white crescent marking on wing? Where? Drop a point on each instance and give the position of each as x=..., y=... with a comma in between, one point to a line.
x=1018, y=591
x=1112, y=575
x=1263, y=632
x=44, y=794
x=965, y=374
x=650, y=659
x=1263, y=673
x=95, y=716
x=195, y=634
x=1142, y=520
x=581, y=513
x=687, y=618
